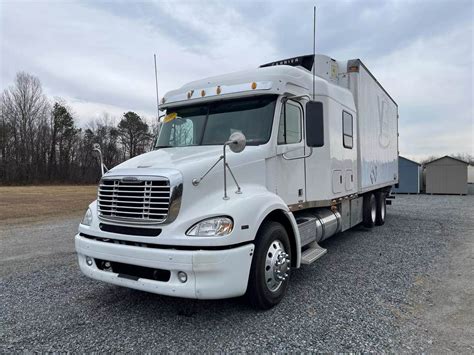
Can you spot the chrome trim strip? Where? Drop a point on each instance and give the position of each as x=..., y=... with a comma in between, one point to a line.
x=320, y=203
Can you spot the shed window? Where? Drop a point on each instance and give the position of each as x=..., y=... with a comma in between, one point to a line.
x=347, y=130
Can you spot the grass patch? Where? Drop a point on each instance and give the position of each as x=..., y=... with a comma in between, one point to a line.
x=19, y=204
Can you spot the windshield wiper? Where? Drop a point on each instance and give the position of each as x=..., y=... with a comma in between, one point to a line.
x=164, y=146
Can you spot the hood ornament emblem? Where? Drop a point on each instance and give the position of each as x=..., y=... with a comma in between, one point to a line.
x=129, y=179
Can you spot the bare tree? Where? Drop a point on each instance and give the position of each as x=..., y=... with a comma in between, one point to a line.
x=24, y=111
x=134, y=134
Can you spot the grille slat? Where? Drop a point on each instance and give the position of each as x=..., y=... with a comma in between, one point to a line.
x=133, y=208
x=156, y=189
x=143, y=194
x=143, y=200
x=108, y=202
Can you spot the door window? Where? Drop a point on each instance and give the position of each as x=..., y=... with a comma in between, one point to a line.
x=347, y=130
x=289, y=130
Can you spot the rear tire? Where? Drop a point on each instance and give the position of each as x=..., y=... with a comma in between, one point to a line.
x=270, y=271
x=369, y=213
x=381, y=208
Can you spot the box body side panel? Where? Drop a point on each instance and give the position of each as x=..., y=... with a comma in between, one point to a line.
x=377, y=131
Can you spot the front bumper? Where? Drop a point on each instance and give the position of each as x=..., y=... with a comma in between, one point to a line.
x=212, y=274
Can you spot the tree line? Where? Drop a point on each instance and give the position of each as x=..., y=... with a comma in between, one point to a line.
x=40, y=141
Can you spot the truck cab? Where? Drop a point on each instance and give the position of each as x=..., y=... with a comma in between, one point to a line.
x=250, y=171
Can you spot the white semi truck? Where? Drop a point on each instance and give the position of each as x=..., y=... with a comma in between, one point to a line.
x=250, y=171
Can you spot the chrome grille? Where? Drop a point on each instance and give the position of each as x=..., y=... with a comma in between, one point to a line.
x=134, y=200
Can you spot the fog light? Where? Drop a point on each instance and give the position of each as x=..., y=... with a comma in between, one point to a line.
x=182, y=276
x=89, y=260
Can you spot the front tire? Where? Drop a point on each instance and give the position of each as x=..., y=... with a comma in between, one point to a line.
x=270, y=271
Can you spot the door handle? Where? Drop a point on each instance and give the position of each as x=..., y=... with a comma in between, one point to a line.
x=300, y=157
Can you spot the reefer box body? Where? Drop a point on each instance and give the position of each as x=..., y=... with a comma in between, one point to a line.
x=377, y=129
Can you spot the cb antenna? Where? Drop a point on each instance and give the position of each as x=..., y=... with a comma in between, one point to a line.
x=314, y=52
x=157, y=97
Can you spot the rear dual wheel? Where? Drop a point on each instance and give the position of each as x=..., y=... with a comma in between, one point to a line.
x=374, y=209
x=381, y=203
x=369, y=213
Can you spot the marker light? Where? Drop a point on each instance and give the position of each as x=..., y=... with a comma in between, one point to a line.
x=254, y=85
x=218, y=90
x=203, y=93
x=87, y=220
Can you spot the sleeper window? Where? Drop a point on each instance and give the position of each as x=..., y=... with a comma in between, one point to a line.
x=347, y=130
x=289, y=130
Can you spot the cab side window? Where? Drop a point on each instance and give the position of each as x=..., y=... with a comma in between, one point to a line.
x=347, y=130
x=289, y=130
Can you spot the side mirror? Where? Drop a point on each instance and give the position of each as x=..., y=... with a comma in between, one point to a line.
x=237, y=142
x=314, y=124
x=97, y=153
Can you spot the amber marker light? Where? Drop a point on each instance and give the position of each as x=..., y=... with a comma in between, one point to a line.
x=203, y=93
x=218, y=90
x=254, y=85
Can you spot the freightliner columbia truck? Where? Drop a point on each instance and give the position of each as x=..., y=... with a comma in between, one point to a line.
x=250, y=171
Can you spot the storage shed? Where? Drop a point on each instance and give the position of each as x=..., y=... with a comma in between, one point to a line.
x=409, y=176
x=446, y=175
x=470, y=180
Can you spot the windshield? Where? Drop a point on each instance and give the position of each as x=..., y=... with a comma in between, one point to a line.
x=213, y=123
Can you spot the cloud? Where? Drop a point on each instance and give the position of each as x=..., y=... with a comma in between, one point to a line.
x=98, y=55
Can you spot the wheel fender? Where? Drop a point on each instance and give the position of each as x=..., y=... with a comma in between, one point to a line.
x=272, y=203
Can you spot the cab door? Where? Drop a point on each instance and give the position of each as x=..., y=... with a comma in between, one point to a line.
x=291, y=154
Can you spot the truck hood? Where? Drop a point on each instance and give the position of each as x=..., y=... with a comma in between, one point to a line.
x=190, y=160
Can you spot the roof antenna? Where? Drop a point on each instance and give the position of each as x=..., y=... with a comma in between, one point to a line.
x=157, y=97
x=314, y=51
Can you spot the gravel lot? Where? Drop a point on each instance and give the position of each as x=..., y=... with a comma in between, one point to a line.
x=405, y=286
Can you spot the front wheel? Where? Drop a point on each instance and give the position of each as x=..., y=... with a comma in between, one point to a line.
x=270, y=271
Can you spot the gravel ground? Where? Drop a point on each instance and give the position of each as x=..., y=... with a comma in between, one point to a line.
x=405, y=286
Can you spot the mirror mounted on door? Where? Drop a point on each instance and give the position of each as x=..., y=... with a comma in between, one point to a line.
x=314, y=124
x=97, y=152
x=237, y=142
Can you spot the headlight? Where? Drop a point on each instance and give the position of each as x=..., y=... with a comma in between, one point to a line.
x=87, y=220
x=212, y=227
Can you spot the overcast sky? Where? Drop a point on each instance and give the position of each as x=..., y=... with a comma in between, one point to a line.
x=98, y=56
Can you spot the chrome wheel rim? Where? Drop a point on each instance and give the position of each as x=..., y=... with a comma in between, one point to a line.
x=277, y=265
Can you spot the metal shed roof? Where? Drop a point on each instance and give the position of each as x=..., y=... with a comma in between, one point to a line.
x=447, y=156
